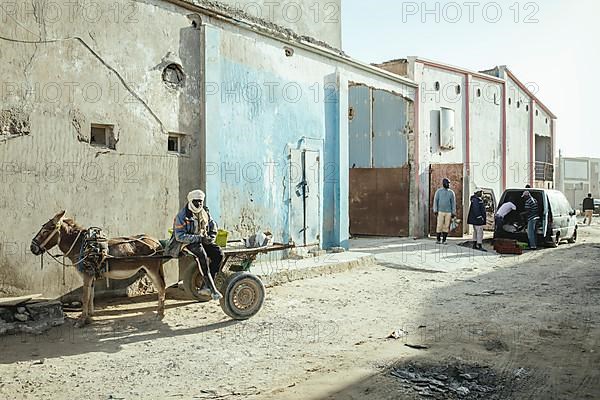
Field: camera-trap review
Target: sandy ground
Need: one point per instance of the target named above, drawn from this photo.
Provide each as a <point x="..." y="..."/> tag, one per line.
<point x="538" y="327"/>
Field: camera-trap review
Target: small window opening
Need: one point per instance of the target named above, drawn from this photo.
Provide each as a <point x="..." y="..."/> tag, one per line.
<point x="173" y="75"/>
<point x="437" y="86"/>
<point x="527" y="108"/>
<point x="103" y="136"/>
<point x="479" y="93"/>
<point x="176" y="143"/>
<point x="289" y="52"/>
<point x="495" y="98"/>
<point x="518" y="104"/>
<point x="537" y="112"/>
<point x="509" y="101"/>
<point x="546" y="121"/>
<point x="457" y="89"/>
<point x="173" y="144"/>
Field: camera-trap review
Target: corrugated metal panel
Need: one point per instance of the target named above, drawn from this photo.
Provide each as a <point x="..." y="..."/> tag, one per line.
<point x="359" y="101"/>
<point x="379" y="201"/>
<point x="390" y="148"/>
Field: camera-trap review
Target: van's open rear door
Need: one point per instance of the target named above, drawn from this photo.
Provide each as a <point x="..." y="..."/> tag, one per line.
<point x="545" y="218"/>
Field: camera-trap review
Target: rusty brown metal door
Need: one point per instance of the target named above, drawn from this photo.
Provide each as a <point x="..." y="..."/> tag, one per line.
<point x="379" y="201"/>
<point x="455" y="173"/>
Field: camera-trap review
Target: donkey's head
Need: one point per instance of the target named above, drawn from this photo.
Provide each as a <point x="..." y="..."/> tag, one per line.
<point x="48" y="236"/>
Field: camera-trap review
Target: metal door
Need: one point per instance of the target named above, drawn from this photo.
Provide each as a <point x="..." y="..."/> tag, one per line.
<point x="305" y="185"/>
<point x="454" y="172"/>
<point x="379" y="201"/>
<point x="359" y="115"/>
<point x="390" y="145"/>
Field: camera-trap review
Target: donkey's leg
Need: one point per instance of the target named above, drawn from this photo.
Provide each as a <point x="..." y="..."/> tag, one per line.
<point x="84" y="318"/>
<point x="91" y="302"/>
<point x="156" y="274"/>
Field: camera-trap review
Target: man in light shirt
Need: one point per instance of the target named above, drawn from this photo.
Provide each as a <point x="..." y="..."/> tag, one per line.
<point x="502" y="212"/>
<point x="444" y="208"/>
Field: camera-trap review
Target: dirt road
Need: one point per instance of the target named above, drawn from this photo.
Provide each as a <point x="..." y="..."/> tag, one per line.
<point x="513" y="328"/>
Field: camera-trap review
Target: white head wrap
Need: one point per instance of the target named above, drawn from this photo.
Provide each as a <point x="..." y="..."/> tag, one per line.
<point x="195" y="195"/>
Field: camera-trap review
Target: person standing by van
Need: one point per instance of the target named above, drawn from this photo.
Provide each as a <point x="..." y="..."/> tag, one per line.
<point x="477" y="218"/>
<point x="588" y="209"/>
<point x="532" y="209"/>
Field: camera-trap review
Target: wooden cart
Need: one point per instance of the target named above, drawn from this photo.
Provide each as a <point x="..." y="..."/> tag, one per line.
<point x="243" y="292"/>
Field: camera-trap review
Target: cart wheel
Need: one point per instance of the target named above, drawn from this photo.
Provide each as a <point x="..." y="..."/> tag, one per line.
<point x="243" y="297"/>
<point x="193" y="282"/>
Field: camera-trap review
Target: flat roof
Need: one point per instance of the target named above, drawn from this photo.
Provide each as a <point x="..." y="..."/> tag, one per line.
<point x="285" y="35"/>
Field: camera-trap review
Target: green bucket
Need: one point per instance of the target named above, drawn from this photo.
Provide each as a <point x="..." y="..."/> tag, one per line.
<point x="222" y="238"/>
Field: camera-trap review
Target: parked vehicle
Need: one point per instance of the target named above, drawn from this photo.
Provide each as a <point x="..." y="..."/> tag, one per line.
<point x="557" y="218"/>
<point x="597" y="206"/>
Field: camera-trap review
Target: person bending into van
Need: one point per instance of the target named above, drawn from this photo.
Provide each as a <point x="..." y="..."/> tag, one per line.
<point x="477" y="218"/>
<point x="588" y="209"/>
<point x="444" y="208"/>
<point x="531" y="207"/>
<point x="502" y="212"/>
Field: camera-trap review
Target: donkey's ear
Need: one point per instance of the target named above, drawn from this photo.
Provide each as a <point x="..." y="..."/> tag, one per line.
<point x="58" y="216"/>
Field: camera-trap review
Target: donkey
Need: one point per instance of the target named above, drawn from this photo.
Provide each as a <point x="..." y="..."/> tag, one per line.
<point x="68" y="236"/>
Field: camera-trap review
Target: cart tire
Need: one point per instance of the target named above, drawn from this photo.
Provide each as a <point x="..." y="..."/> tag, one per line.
<point x="243" y="296"/>
<point x="192" y="283"/>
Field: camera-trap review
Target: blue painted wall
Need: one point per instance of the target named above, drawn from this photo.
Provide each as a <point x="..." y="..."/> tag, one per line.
<point x="249" y="132"/>
<point x="332" y="237"/>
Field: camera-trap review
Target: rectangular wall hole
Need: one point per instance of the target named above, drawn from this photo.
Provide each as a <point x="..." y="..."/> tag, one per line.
<point x="103" y="136"/>
<point x="176" y="143"/>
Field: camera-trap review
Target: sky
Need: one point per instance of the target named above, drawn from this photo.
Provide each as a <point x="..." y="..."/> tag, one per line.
<point x="553" y="46"/>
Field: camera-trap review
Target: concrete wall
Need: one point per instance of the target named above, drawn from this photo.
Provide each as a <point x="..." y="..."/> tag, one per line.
<point x="319" y="19"/>
<point x="262" y="104"/>
<point x="486" y="136"/>
<point x="259" y="104"/>
<point x="431" y="102"/>
<point x="517" y="136"/>
<point x="542" y="122"/>
<point x="82" y="72"/>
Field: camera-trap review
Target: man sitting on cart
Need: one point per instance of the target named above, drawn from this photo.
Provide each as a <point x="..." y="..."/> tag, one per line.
<point x="194" y="233"/>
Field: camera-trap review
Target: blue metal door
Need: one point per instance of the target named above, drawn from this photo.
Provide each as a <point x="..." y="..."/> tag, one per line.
<point x="305" y="188"/>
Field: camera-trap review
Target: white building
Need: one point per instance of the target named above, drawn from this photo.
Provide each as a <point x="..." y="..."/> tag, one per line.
<point x="576" y="177"/>
<point x="480" y="129"/>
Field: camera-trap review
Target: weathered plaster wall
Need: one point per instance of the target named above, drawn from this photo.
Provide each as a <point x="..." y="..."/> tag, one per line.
<point x="517" y="136"/>
<point x="486" y="136"/>
<point x="542" y="122"/>
<point x="262" y="104"/>
<point x="318" y="19"/>
<point x="61" y="74"/>
<point x="431" y="102"/>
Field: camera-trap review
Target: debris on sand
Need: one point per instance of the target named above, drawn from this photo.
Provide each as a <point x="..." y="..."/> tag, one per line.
<point x="455" y="380"/>
<point x="398" y="334"/>
<point x="417" y="346"/>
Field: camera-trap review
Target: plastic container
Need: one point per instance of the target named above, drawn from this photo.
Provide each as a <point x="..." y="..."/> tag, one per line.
<point x="221" y="239"/>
